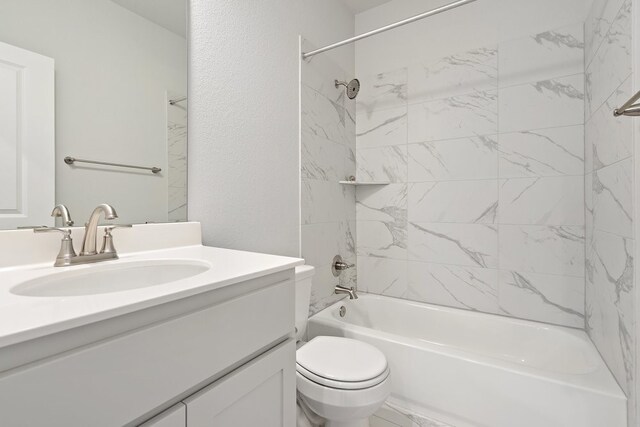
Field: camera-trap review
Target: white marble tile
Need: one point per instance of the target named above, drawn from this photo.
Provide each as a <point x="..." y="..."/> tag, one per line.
<point x="322" y="241"/>
<point x="408" y="418"/>
<point x="327" y="201"/>
<point x="454" y="201"/>
<point x="542" y="249"/>
<point x="320" y="72"/>
<point x="454" y="286"/>
<point x="386" y="203"/>
<point x="460" y="116"/>
<point x="542" y="56"/>
<point x="454" y="159"/>
<point x="465" y="72"/>
<point x="543" y="104"/>
<point x="384" y="164"/>
<point x="542" y="201"/>
<point x="612" y="63"/>
<point x="381" y="128"/>
<point x="613" y="198"/>
<point x="325" y="160"/>
<point x="588" y="210"/>
<point x="322" y="117"/>
<point x="322" y="288"/>
<point x="597" y="24"/>
<point x="382" y="91"/>
<point x="382" y="276"/>
<point x="609" y="139"/>
<point x="474" y="245"/>
<point x="543" y="152"/>
<point x="382" y="238"/>
<point x="610" y="304"/>
<point x="542" y="297"/>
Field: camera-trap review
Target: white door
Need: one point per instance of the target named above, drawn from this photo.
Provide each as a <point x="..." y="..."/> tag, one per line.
<point x="260" y="393"/>
<point x="27" y="139"/>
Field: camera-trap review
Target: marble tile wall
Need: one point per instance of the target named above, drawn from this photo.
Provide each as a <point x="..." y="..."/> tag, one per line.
<point x="177" y="159"/>
<point x="484" y="150"/>
<point x="328" y="213"/>
<point x="610" y="318"/>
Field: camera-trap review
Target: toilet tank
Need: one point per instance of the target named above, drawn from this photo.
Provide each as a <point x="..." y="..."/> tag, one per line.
<point x="304" y="276"/>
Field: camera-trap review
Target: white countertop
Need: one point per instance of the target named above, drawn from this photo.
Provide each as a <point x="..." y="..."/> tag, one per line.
<point x="24" y="318"/>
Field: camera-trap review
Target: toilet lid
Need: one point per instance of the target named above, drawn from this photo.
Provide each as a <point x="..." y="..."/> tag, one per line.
<point x="341" y="359"/>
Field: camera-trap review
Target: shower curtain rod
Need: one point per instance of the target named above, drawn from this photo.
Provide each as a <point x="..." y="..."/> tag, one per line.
<point x="388" y="27"/>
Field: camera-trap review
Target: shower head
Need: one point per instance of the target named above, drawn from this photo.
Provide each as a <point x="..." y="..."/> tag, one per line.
<point x="353" y="87"/>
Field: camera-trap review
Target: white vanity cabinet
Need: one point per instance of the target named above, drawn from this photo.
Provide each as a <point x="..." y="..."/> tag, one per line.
<point x="176" y="416"/>
<point x="218" y="358"/>
<point x="261" y="393"/>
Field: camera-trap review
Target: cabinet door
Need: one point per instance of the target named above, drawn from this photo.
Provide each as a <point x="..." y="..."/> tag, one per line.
<point x="176" y="416"/>
<point x="259" y="393"/>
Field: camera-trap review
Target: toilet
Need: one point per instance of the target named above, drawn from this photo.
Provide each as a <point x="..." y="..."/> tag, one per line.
<point x="340" y="380"/>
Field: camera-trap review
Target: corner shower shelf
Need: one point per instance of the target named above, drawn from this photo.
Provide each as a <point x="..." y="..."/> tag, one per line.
<point x="356" y="183"/>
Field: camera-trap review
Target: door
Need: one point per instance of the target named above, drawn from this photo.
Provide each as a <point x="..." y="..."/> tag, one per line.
<point x="260" y="393"/>
<point x="27" y="139"/>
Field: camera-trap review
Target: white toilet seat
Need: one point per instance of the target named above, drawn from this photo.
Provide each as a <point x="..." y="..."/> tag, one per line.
<point x="341" y="385"/>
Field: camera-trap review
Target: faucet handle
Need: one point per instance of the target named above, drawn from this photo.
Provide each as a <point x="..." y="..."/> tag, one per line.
<point x="65" y="231"/>
<point x="107" y="241"/>
<point x="66" y="252"/>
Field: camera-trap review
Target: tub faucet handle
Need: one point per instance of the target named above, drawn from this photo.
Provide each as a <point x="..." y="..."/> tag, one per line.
<point x="338" y="265"/>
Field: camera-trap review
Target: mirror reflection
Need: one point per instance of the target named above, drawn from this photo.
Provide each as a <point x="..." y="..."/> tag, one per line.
<point x="102" y="84"/>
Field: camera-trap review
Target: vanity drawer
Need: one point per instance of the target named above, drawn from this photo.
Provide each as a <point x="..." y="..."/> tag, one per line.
<point x="126" y="379"/>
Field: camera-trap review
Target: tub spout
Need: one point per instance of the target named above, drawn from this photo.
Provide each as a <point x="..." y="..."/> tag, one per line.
<point x="344" y="290"/>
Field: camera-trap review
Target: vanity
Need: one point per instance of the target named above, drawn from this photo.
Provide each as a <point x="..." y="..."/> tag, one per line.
<point x="171" y="334"/>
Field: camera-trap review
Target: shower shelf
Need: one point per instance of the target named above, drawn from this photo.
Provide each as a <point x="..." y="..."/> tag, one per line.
<point x="356" y="183"/>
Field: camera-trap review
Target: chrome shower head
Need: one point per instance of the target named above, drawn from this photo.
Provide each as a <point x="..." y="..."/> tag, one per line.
<point x="352" y="88"/>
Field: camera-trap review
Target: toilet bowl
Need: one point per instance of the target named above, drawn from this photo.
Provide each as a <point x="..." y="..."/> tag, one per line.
<point x="342" y="380"/>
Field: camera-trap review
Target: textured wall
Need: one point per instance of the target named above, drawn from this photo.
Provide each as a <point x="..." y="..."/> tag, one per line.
<point x="609" y="187"/>
<point x="244" y="144"/>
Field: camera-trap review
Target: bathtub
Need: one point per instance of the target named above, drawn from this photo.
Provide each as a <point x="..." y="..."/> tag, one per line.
<point x="472" y="369"/>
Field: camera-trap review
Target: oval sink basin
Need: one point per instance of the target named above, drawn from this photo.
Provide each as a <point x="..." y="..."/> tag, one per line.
<point x="116" y="277"/>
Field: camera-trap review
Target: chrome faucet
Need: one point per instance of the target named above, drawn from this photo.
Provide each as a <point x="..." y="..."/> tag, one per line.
<point x="344" y="290"/>
<point x="61" y="211"/>
<point x="67" y="255"/>
<point x="91" y="228"/>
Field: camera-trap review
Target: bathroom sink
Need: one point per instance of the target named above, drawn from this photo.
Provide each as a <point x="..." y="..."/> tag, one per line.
<point x="107" y="278"/>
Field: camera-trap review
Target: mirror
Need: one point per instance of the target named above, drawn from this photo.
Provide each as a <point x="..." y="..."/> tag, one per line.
<point x="95" y="82"/>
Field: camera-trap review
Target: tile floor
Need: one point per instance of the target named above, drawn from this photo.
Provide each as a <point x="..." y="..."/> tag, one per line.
<point x="389" y="416"/>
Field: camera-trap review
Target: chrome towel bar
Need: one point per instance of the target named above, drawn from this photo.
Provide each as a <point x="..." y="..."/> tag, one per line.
<point x="630" y="108"/>
<point x="71" y="160"/>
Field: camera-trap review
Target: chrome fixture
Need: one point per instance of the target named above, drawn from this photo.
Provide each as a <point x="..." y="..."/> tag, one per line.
<point x="352" y="88"/>
<point x="388" y="27"/>
<point x="71" y="160"/>
<point x="61" y="211"/>
<point x="338" y="265"/>
<point x="344" y="290"/>
<point x="91" y="228"/>
<point x="630" y="108"/>
<point x="67" y="255"/>
<point x="177" y="100"/>
<point x="107" y="240"/>
<point x="342" y="311"/>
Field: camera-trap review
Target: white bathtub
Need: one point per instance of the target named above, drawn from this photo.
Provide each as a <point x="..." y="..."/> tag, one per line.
<point x="479" y="370"/>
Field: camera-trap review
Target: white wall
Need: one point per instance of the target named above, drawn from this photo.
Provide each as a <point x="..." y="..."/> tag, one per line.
<point x="113" y="68"/>
<point x="244" y="116"/>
